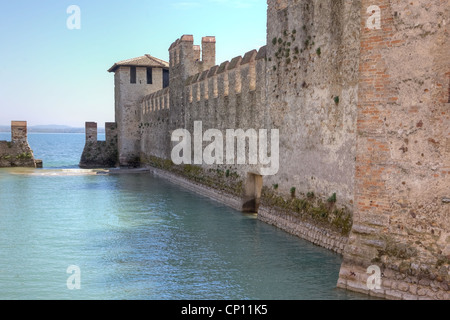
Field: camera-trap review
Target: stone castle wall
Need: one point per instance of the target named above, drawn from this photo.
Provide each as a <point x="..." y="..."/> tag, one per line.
<point x="312" y="86"/>
<point x="227" y="96"/>
<point x="362" y="111"/>
<point x="401" y="220"/>
<point x="355" y="121"/>
<point x="293" y="84"/>
<point x="154" y="126"/>
<point x="304" y="83"/>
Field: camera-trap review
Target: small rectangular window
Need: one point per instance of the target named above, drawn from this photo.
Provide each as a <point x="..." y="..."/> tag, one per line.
<point x="133" y="75"/>
<point x="165" y="78"/>
<point x="149" y="76"/>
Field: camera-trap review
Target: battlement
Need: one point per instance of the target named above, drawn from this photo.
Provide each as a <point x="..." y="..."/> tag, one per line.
<point x="19" y="131"/>
<point x="159" y="100"/>
<point x="91" y="131"/>
<point x="229" y="78"/>
<point x="220" y="82"/>
<point x="195" y="58"/>
<point x="100" y="154"/>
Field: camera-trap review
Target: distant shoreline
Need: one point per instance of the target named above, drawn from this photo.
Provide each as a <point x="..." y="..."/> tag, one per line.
<point x="5" y="129"/>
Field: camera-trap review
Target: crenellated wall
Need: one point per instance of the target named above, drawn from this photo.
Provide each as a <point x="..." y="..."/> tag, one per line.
<point x="154" y="125"/>
<point x="226" y="96"/>
<point x="175" y="108"/>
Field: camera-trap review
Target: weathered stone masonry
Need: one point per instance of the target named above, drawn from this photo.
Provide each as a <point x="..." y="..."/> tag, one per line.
<point x="401" y="222"/>
<point x="17" y="152"/>
<point x="100" y="154"/>
<point x="364" y="124"/>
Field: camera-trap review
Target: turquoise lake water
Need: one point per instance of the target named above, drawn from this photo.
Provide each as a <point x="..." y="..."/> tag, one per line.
<point x="140" y="237"/>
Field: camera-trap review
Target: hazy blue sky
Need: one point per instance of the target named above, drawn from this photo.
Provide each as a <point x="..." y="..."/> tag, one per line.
<point x="52" y="75"/>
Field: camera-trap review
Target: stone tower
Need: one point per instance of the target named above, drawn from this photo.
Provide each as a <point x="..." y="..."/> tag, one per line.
<point x="187" y="59"/>
<point x="134" y="79"/>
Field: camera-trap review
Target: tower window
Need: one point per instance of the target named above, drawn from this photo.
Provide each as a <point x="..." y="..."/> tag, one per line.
<point x="149" y="76"/>
<point x="165" y="78"/>
<point x="133" y="75"/>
